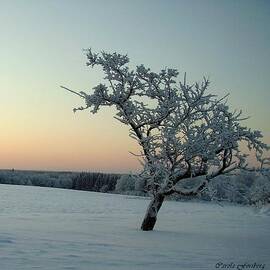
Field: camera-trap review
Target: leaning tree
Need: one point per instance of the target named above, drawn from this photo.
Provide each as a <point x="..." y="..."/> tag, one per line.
<point x="183" y="131"/>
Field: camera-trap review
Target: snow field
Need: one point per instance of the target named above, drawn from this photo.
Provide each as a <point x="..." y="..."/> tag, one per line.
<point x="45" y="228"/>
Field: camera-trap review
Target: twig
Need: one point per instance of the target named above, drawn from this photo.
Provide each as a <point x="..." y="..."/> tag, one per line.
<point x="74" y="92"/>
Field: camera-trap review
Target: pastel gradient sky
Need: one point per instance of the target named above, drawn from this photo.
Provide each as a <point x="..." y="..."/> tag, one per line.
<point x="42" y="46"/>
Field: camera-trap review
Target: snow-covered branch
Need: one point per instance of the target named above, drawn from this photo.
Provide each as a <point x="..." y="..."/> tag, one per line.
<point x="183" y="131"/>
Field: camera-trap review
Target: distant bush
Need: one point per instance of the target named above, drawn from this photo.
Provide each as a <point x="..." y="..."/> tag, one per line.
<point x="125" y="183"/>
<point x="259" y="193"/>
<point x="130" y="185"/>
<point x="244" y="188"/>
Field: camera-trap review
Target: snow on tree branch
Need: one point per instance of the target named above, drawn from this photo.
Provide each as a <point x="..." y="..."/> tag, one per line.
<point x="183" y="130"/>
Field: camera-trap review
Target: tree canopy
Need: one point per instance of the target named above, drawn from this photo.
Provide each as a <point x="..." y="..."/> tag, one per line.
<point x="183" y="131"/>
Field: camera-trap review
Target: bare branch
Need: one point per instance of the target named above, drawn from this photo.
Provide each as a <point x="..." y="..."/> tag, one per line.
<point x="72" y="91"/>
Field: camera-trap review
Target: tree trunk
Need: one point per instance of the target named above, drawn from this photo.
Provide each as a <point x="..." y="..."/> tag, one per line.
<point x="151" y="213"/>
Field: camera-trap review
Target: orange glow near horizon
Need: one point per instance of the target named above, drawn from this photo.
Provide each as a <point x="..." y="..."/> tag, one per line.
<point x="92" y="144"/>
<point x="88" y="148"/>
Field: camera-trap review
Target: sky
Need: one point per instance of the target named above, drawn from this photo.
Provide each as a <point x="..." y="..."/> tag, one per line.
<point x="42" y="45"/>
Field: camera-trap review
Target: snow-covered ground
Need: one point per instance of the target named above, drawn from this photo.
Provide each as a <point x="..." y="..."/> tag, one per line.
<point x="43" y="228"/>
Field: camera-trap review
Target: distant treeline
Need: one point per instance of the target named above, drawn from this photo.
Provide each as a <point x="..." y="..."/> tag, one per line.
<point x="100" y="182"/>
<point x="242" y="188"/>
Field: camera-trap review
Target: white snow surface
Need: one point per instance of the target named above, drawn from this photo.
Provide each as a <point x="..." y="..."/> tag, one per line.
<point x="45" y="228"/>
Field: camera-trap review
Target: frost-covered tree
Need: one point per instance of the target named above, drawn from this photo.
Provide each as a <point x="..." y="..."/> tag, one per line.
<point x="183" y="131"/>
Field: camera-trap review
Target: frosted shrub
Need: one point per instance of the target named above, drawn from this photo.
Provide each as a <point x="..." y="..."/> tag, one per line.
<point x="125" y="183"/>
<point x="243" y="188"/>
<point x="260" y="190"/>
